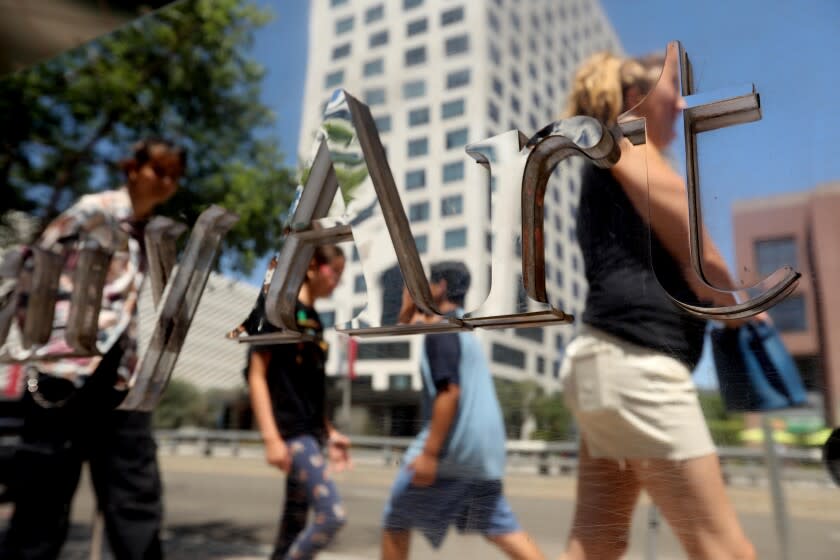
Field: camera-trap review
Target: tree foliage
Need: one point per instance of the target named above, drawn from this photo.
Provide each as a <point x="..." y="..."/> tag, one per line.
<point x="522" y="401"/>
<point x="183" y="72"/>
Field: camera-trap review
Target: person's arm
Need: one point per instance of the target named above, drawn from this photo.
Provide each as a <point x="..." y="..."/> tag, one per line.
<point x="276" y="452"/>
<point x="646" y="178"/>
<point x="443" y="352"/>
<point x="338" y="448"/>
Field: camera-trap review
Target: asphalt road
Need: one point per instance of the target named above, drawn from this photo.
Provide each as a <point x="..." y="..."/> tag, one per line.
<point x="227" y="508"/>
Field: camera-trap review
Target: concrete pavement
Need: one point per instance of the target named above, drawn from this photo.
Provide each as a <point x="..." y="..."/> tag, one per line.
<point x="227" y="508"/>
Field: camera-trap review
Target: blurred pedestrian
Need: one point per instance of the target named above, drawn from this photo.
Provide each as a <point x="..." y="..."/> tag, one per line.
<point x="288" y="395"/>
<point x="69" y="407"/>
<point x="453" y="472"/>
<point x="627" y="375"/>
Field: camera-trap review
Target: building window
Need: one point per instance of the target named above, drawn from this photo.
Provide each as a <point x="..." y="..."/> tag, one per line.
<point x="334" y="78"/>
<point x="374" y="14"/>
<point x="455" y="238"/>
<point x="335" y="3"/>
<point x="409" y="4"/>
<point x="502" y="354"/>
<point x="493" y="112"/>
<point x="418" y="147"/>
<point x="452" y="16"/>
<point x="514" y="48"/>
<point x="416" y="27"/>
<point x="456" y="138"/>
<point x="789" y="314"/>
<point x="415" y="56"/>
<point x="418" y="117"/>
<point x="497" y="86"/>
<point x="514" y="77"/>
<point x="514" y="19"/>
<point x="452" y="205"/>
<point x="415" y="179"/>
<point x="327" y="319"/>
<point x="383" y="123"/>
<point x="375" y="96"/>
<point x="530" y="333"/>
<point x="495" y="55"/>
<point x="453" y="171"/>
<point x="359" y="286"/>
<point x="457" y="45"/>
<point x="413" y="89"/>
<point x="558" y="277"/>
<point x="419" y="212"/>
<point x="493" y="21"/>
<point x="378" y="39"/>
<point x="374" y="67"/>
<point x="772" y="254"/>
<point x="383" y="350"/>
<point x="514" y="104"/>
<point x="344" y="25"/>
<point x="452" y="109"/>
<point x="457" y="79"/>
<point x="341" y="51"/>
<point x="399" y="382"/>
<point x="540" y="365"/>
<point x="422" y="243"/>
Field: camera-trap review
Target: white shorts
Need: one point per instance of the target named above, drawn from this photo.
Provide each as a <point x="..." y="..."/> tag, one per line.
<point x="631" y="402"/>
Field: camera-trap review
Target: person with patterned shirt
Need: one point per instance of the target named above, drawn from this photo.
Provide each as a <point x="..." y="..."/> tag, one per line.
<point x="288" y="390"/>
<point x="70" y="414"/>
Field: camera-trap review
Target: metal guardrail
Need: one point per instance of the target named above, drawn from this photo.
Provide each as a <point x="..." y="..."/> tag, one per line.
<point x="740" y="464"/>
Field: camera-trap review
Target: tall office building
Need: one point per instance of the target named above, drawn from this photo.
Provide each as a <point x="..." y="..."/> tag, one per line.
<point x="437" y="75"/>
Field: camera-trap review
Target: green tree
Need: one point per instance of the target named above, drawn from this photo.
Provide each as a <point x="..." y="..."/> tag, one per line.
<point x="182" y="405"/>
<point x="554" y="419"/>
<point x="183" y="72"/>
<point x="725" y="427"/>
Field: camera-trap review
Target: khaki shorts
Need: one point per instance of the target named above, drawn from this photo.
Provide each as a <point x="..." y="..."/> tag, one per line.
<point x="631" y="402"/>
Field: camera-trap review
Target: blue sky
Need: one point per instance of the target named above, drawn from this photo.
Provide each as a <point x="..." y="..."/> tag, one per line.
<point x="787" y="49"/>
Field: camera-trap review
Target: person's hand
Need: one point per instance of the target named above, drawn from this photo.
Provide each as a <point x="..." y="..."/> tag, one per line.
<point x="338" y="451"/>
<point x="407" y="308"/>
<point x="425" y="470"/>
<point x="277" y="455"/>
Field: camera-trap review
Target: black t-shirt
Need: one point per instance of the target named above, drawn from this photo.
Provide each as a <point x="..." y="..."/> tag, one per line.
<point x="297" y="378"/>
<point x="625" y="297"/>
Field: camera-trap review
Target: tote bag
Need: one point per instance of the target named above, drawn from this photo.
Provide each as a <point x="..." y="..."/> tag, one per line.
<point x="755" y="371"/>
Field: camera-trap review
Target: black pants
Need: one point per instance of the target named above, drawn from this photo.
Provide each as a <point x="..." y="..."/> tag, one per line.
<point x="123" y="463"/>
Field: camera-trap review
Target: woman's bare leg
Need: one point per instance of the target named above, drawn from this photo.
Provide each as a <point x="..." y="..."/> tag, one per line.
<point x="606" y="497"/>
<point x="692" y="497"/>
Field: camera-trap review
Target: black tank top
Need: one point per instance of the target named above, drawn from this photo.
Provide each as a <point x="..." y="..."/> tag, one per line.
<point x="625" y="296"/>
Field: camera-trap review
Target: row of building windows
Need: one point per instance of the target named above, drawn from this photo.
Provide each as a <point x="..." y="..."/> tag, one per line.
<point x="455" y="238"/>
<point x="452" y="205"/>
<point x="459" y="44"/>
<point x="451" y="172"/>
<point x="418" y="147"/>
<point x="420" y="115"/>
<point x="410" y="90"/>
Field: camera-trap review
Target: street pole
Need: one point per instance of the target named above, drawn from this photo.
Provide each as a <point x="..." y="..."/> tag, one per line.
<point x="774" y="476"/>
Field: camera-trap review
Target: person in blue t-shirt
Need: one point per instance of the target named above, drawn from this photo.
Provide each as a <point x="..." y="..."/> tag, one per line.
<point x="452" y="473"/>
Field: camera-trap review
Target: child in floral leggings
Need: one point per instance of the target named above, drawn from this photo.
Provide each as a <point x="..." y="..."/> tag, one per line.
<point x="288" y="394"/>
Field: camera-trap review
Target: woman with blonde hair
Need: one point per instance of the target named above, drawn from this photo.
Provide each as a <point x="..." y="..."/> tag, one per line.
<point x="627" y="375"/>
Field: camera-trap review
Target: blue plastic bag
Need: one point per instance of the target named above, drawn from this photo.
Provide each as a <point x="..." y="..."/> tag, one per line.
<point x="755" y="371"/>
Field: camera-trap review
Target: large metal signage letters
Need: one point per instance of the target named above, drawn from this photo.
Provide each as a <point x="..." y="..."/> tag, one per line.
<point x="176" y="298"/>
<point x="375" y="220"/>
